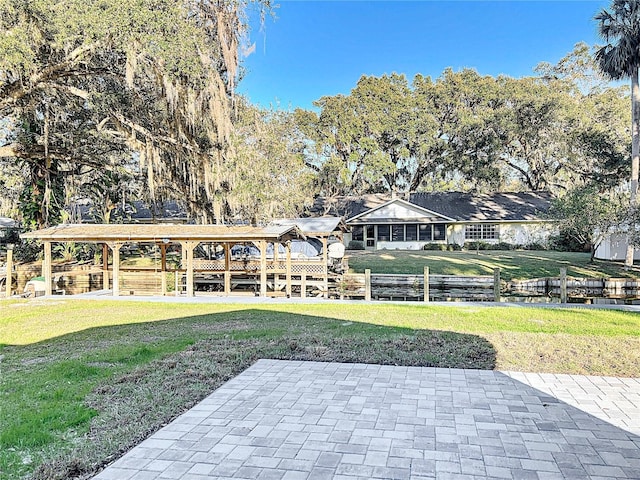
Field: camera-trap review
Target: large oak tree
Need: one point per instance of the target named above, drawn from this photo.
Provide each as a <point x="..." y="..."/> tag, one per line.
<point x="86" y="84"/>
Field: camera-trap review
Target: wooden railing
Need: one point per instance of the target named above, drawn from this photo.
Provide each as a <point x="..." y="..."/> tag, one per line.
<point x="307" y="279"/>
<point x="412" y="287"/>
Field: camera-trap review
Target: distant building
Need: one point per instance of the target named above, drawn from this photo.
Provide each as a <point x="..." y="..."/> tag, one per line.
<point x="382" y="221"/>
<point x="9" y="230"/>
<point x="136" y="211"/>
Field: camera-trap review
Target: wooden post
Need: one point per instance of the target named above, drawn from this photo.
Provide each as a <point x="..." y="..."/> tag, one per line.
<point x="46" y="269"/>
<point x="105" y="266"/>
<point x="288" y="249"/>
<point x="367" y="284"/>
<point x="496" y="284"/>
<point x="276" y="266"/>
<point x="303" y="283"/>
<point x="9" y="280"/>
<point x="187" y="251"/>
<point x="325" y="267"/>
<point x="563" y="285"/>
<point x="163" y="266"/>
<point x="115" y="247"/>
<point x="227" y="269"/>
<point x="426" y="283"/>
<point x="263" y="268"/>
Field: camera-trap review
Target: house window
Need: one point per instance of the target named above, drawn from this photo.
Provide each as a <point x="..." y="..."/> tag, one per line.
<point x="482" y="231"/>
<point x="397" y="233"/>
<point x="439" y="231"/>
<point x="426" y="233"/>
<point x="371" y="231"/>
<point x="384" y="233"/>
<point x="357" y="233"/>
<point x="411" y="233"/>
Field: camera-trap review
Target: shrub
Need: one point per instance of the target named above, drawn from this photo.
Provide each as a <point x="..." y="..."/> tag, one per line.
<point x="454" y="247"/>
<point x="477" y="245"/>
<point x="28" y="250"/>
<point x="563" y="242"/>
<point x="355" y="245"/>
<point x="435" y="246"/>
<point x="504" y="246"/>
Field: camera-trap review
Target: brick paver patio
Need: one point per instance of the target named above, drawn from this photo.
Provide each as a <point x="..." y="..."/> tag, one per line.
<point x="308" y="420"/>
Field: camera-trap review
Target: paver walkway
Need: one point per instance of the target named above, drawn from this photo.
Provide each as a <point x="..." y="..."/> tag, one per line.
<point x="310" y="420"/>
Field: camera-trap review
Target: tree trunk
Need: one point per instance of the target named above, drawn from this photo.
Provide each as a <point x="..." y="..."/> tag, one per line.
<point x="635" y="160"/>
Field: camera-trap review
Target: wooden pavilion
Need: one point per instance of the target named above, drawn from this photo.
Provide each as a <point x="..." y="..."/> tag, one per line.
<point x="266" y="269"/>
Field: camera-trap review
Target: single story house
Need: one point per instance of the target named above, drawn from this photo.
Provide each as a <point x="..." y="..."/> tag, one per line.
<point x="410" y="221"/>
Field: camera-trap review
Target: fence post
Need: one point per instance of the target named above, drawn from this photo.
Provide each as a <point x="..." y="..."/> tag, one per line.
<point x="9" y="279"/>
<point x="303" y="283"/>
<point x="426" y="283"/>
<point x="496" y="285"/>
<point x="367" y="284"/>
<point x="563" y="285"/>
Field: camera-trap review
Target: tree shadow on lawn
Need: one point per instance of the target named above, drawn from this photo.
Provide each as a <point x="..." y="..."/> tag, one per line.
<point x="143" y="375"/>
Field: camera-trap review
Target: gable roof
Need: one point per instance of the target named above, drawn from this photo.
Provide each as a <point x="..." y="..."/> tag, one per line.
<point x="459" y="206"/>
<point x="140" y="232"/>
<point x="412" y="211"/>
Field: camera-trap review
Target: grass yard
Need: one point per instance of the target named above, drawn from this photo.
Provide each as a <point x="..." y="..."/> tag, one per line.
<point x="513" y="264"/>
<point x="83" y="381"/>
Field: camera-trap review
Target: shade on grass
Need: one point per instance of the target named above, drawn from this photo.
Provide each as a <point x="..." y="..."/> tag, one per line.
<point x="83" y="380"/>
<point x="512" y="264"/>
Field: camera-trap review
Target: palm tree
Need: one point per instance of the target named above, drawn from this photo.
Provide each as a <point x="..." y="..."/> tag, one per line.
<point x="620" y="59"/>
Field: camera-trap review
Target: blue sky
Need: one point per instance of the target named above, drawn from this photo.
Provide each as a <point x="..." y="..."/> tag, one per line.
<point x="317" y="48"/>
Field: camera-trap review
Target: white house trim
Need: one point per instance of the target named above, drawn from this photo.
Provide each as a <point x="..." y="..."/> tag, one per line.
<point x="419" y="213"/>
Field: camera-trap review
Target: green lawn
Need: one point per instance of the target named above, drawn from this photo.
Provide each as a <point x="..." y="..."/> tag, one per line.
<point x="513" y="264"/>
<point x="83" y="381"/>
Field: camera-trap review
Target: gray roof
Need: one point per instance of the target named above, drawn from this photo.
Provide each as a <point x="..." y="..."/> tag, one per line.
<point x="8" y="223"/>
<point x="462" y="207"/>
<point x="140" y="232"/>
<point x="314" y="225"/>
<point x="137" y="211"/>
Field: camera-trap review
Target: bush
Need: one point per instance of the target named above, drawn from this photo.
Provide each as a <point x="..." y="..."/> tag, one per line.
<point x="564" y="242"/>
<point x="477" y="245"/>
<point x="504" y="246"/>
<point x="355" y="245"/>
<point x="28" y="250"/>
<point x="454" y="247"/>
<point x="435" y="246"/>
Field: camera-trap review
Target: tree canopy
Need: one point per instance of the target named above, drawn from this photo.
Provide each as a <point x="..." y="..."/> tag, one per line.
<point x="466" y="131"/>
<point x="110" y="101"/>
<point x="84" y="83"/>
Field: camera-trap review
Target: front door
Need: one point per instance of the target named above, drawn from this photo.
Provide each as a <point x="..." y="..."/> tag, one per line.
<point x="370" y="237"/>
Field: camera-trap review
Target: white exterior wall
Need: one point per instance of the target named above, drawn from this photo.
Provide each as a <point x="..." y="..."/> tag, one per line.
<point x="513" y="233"/>
<point x="614" y="247"/>
<point x="455" y="234"/>
<point x="526" y="233"/>
<point x="346" y="238"/>
<point x="401" y="245"/>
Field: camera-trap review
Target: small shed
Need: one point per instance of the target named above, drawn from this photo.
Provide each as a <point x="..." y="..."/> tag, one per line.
<point x="114" y="236"/>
